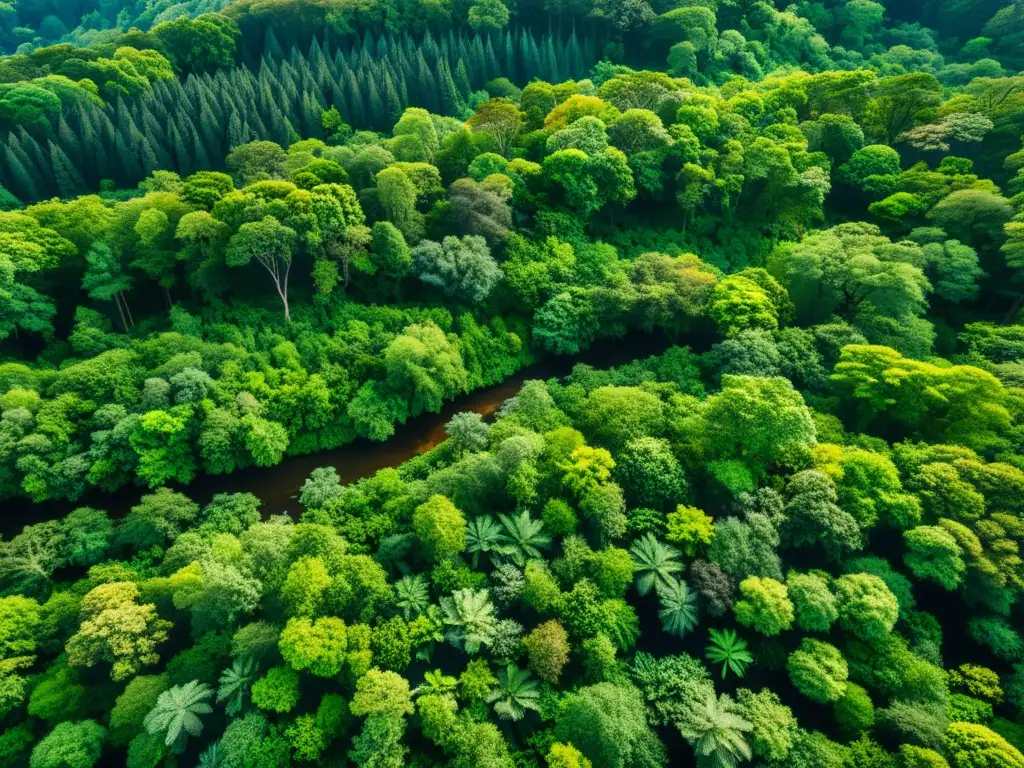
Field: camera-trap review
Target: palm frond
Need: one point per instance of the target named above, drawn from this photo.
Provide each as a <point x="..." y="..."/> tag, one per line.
<point x="678" y="611"/>
<point x="523" y="536"/>
<point x="516" y="693"/>
<point x="177" y="711"/>
<point x="654" y="563"/>
<point x="483" y="534"/>
<point x="412" y="596"/>
<point x="728" y="650"/>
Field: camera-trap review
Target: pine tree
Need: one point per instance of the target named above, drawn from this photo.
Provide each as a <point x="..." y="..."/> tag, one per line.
<point x="272" y="49"/>
<point x="355" y="101"/>
<point x="462" y="80"/>
<point x="69" y="180"/>
<point x="378" y="115"/>
<point x="23" y="184"/>
<point x="392" y="99"/>
<point x="235" y="135"/>
<point x="451" y="104"/>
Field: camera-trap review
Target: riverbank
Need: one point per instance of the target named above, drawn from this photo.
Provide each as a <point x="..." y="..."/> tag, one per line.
<point x="277" y="487"/>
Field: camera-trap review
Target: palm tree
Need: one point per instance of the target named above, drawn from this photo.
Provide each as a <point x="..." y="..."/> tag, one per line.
<point x="715" y="731"/>
<point x="678" y="612"/>
<point x="483" y="534"/>
<point x="654" y="563"/>
<point x="516" y="693"/>
<point x="436" y="682"/>
<point x="234" y="684"/>
<point x="412" y="596"/>
<point x="177" y="713"/>
<point x="728" y="650"/>
<point x="212" y="756"/>
<point x="523" y="537"/>
<point x="471" y="615"/>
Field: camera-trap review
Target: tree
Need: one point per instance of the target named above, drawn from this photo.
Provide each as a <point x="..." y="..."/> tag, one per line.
<point x="391" y="644"/>
<point x="105" y="279"/>
<point x="654" y="563"/>
<point x="516" y="693"/>
<point x="866" y="606"/>
<point x="765" y="606"/>
<point x="855" y="713"/>
<point x="488" y="15"/>
<point x="74" y="745"/>
<point x="813" y="516"/>
<point x="424" y="366"/>
<point x="382" y="693"/>
<point x="523" y="537"/>
<point x="277" y="690"/>
<point x="739" y="304"/>
<point x="470" y="615"/>
<point x="818" y="670"/>
<point x="650" y="474"/>
<point x="118" y="630"/>
<point x="690" y="528"/>
<point x="566" y="756"/>
<point x="203" y="43"/>
<point x="257" y="161"/>
<point x="397" y="194"/>
<point x="234" y="684"/>
<point x="481" y="208"/>
<point x="390" y="253"/>
<point x="932" y="553"/>
<point x="728" y="650"/>
<point x="678" y="607"/>
<point x="607" y="723"/>
<point x="29" y="559"/>
<point x="975" y="746"/>
<point x="500" y="118"/>
<point x="318" y="646"/>
<point x="813" y="602"/>
<point x="547" y="647"/>
<point x="716" y="733"/>
<point x="897" y="100"/>
<point x="973" y="216"/>
<point x="271" y="244"/>
<point x="176" y="714"/>
<point x="440" y="526"/>
<point x="461" y="268"/>
<point x="759" y="421"/>
<point x="773" y="724"/>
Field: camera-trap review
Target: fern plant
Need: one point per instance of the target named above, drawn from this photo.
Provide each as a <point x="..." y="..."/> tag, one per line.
<point x="728" y="650"/>
<point x="715" y="731"/>
<point x="234" y="684"/>
<point x="412" y="596"/>
<point x="483" y="534"/>
<point x="654" y="563"/>
<point x="212" y="756"/>
<point x="470" y="616"/>
<point x="516" y="693"/>
<point x="177" y="712"/>
<point x="678" y="611"/>
<point x="523" y="537"/>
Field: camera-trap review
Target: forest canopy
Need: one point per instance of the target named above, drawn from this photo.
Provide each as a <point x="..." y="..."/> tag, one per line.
<point x="233" y="232"/>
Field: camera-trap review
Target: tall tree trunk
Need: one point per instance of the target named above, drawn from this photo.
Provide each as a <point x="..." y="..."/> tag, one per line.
<point x="127" y="309"/>
<point x="117" y="301"/>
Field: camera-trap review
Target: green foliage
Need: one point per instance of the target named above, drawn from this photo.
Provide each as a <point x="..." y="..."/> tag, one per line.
<point x="729" y="651"/>
<point x="176" y="714"/>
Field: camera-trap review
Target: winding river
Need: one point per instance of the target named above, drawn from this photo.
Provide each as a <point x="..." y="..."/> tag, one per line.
<point x="278" y="486"/>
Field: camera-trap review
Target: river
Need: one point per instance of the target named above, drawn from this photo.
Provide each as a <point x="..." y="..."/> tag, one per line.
<point x="278" y="486"/>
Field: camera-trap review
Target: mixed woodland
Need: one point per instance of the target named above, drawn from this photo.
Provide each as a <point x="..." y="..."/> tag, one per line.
<point x="232" y="232"/>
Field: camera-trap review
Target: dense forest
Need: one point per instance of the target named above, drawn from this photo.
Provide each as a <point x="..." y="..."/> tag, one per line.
<point x="235" y="231"/>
